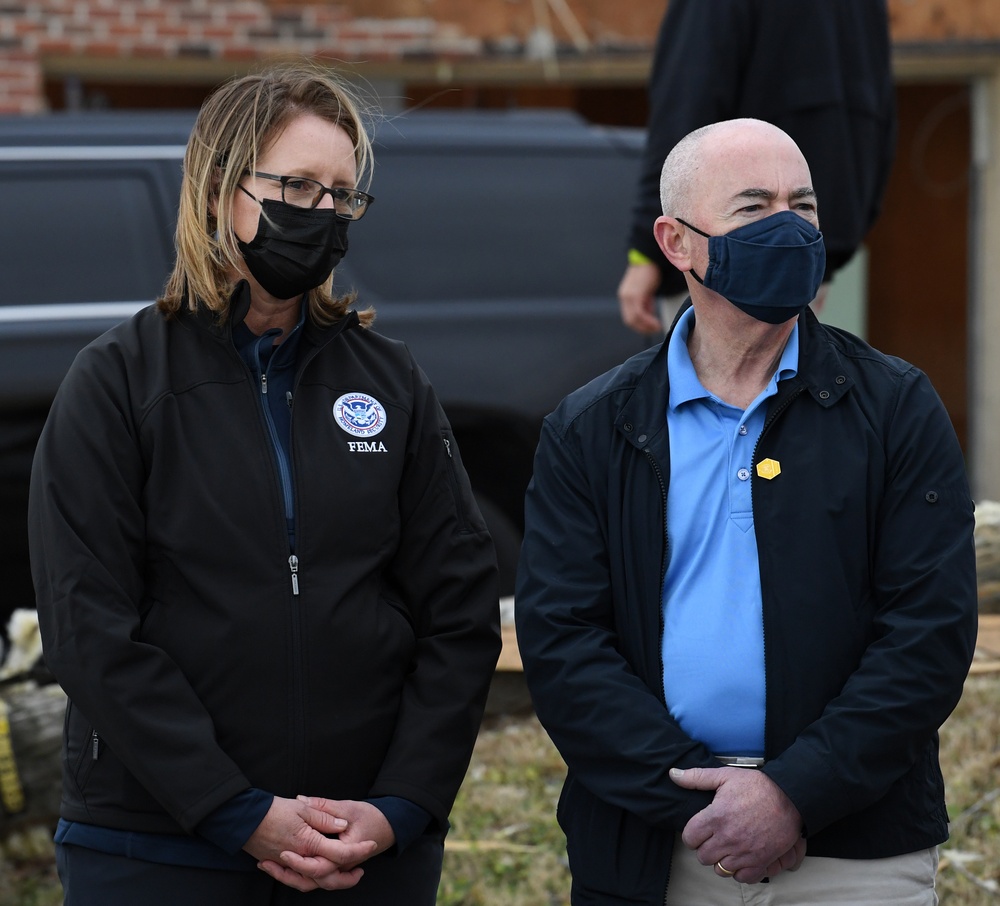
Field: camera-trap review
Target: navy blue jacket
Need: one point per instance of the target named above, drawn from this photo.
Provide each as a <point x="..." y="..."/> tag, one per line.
<point x="869" y="605"/>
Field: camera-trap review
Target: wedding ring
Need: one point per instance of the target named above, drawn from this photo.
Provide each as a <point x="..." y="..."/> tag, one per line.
<point x="723" y="869"/>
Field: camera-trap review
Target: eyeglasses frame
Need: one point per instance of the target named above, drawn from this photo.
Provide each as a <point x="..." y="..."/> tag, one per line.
<point x="326" y="190"/>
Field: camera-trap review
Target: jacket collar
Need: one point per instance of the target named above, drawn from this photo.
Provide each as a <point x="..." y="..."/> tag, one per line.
<point x="239" y="305"/>
<point x="643" y="419"/>
<point x="821" y="367"/>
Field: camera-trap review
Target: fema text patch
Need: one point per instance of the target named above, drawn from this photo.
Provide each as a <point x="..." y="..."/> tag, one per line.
<point x="366" y="446"/>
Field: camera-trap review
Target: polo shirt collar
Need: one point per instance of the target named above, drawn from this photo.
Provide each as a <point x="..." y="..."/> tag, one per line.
<point x="683" y="379"/>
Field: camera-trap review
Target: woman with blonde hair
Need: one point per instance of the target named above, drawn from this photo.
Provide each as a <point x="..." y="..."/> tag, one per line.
<point x="261" y="576"/>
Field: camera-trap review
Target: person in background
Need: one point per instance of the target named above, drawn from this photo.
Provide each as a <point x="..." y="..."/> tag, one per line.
<point x="821" y="71"/>
<point x="261" y="575"/>
<point x="747" y="592"/>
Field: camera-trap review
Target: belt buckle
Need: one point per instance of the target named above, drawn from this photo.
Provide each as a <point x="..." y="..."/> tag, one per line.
<point x="739" y="761"/>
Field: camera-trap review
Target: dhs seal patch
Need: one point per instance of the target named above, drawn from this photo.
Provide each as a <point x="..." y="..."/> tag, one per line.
<point x="359" y="414"/>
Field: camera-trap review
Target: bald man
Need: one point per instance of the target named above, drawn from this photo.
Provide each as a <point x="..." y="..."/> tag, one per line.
<point x="747" y="593"/>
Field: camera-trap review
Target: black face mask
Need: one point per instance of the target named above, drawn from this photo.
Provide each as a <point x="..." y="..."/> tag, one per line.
<point x="295" y="249"/>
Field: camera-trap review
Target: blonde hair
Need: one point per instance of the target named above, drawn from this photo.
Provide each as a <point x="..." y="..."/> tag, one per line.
<point x="234" y="126"/>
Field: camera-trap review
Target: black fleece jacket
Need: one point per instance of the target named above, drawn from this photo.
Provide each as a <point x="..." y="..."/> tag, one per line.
<point x="201" y="656"/>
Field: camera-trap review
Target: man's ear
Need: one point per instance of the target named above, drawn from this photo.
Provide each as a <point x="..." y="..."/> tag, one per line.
<point x="672" y="238"/>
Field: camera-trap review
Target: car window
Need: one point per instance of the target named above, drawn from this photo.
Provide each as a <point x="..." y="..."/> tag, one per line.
<point x="61" y="219"/>
<point x="447" y="226"/>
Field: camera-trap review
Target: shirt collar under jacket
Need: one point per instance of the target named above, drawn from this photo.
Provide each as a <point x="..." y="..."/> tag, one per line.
<point x="260" y="356"/>
<point x="239" y="304"/>
<point x="683" y="379"/>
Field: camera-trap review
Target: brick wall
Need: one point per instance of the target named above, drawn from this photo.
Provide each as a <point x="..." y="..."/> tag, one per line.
<point x="20" y="80"/>
<point x="242" y="31"/>
<point x="929" y="21"/>
<point x="502" y="23"/>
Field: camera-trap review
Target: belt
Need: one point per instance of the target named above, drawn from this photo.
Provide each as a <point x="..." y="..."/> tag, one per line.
<point x="740" y="761"/>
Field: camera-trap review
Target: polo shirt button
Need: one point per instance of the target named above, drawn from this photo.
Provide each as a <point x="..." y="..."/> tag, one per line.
<point x="743" y="474"/>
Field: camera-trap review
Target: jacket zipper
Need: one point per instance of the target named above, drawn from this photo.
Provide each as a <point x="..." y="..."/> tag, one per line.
<point x="663" y="561"/>
<point x="284" y="469"/>
<point x="288" y="494"/>
<point x="297" y="698"/>
<point x="284" y="472"/>
<point x="772" y="417"/>
<point x="296" y="710"/>
<point x="463" y="524"/>
<point x="298" y="772"/>
<point x="663" y="576"/>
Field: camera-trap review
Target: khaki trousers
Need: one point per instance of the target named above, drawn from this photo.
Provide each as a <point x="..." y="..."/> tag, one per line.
<point x="901" y="881"/>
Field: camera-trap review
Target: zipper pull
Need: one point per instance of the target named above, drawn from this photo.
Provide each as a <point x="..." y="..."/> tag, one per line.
<point x="263" y="384"/>
<point x="293" y="565"/>
<point x="447" y="447"/>
<point x="288" y="398"/>
<point x="95" y="745"/>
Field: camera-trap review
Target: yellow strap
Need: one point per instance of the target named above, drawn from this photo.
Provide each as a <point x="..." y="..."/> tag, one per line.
<point x="11" y="791"/>
<point x="637" y="257"/>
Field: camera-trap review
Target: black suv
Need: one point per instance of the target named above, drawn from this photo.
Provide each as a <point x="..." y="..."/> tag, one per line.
<point x="493" y="249"/>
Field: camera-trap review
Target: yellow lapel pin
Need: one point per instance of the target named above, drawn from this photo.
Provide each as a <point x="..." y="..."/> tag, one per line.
<point x="769" y="468"/>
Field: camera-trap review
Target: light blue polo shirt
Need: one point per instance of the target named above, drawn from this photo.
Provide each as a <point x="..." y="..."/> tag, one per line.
<point x="713" y="638"/>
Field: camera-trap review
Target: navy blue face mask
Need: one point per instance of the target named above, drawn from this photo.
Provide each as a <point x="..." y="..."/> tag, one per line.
<point x="770" y="269"/>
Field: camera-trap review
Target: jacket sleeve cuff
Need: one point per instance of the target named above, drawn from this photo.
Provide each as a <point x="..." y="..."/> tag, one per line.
<point x="233" y="823"/>
<point x="407" y="819"/>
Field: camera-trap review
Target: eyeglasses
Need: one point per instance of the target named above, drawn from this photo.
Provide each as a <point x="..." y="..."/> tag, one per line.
<point x="307" y="193"/>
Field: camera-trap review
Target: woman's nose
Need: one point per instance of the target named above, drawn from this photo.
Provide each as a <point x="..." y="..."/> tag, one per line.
<point x="326" y="200"/>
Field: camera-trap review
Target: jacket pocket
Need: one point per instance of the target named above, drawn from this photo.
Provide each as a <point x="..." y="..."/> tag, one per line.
<point x="149" y="613"/>
<point x="81" y="749"/>
<point x="614" y="856"/>
<point x="395" y="632"/>
<point x="467" y="510"/>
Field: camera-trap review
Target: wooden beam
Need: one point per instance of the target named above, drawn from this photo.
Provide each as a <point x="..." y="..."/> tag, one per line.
<point x="629" y="70"/>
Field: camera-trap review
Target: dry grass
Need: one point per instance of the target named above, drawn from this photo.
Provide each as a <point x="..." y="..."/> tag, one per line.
<point x="505" y="848"/>
<point x="970" y="757"/>
<point x="28" y="871"/>
<point x="514" y="781"/>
